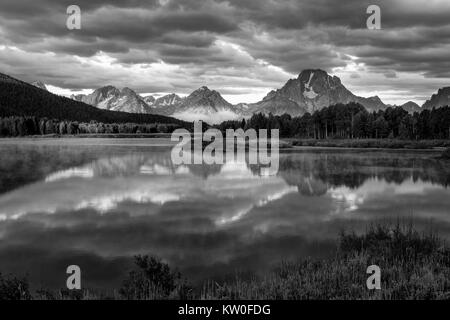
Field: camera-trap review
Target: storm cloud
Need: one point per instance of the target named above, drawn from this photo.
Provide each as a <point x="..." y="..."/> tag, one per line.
<point x="241" y="48"/>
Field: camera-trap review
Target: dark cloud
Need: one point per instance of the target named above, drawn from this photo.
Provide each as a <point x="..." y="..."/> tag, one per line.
<point x="189" y="34"/>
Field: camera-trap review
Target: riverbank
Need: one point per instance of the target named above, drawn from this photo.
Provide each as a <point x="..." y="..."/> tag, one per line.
<point x="92" y="135"/>
<point x="285" y="143"/>
<point x="413" y="266"/>
<point x="370" y="143"/>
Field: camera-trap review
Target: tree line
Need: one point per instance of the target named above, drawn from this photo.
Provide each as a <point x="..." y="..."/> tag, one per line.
<point x="346" y="121"/>
<point x="353" y="121"/>
<point x="23" y="126"/>
<point x="18" y="98"/>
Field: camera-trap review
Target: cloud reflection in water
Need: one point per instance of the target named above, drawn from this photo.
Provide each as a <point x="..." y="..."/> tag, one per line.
<point x="208" y="220"/>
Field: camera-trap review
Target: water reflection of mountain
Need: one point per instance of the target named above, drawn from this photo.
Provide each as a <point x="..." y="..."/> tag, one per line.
<point x="21" y="164"/>
<point x="312" y="173"/>
<point x="134" y="165"/>
<point x="315" y="173"/>
<point x="306" y="185"/>
<point x="112" y="203"/>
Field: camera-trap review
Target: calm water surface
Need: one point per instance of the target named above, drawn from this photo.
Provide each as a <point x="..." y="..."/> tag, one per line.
<point x="98" y="202"/>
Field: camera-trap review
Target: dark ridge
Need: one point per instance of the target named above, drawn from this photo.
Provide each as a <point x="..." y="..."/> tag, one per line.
<point x="18" y="98"/>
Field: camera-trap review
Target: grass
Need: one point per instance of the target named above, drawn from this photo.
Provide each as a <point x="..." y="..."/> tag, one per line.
<point x="373" y="143"/>
<point x="413" y="266"/>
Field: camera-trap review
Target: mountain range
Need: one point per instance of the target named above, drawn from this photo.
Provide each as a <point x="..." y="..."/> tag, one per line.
<point x="312" y="90"/>
<point x="113" y="99"/>
<point x="202" y="104"/>
<point x="18" y="98"/>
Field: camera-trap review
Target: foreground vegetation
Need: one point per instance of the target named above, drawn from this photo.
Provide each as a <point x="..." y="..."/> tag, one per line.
<point x="413" y="266"/>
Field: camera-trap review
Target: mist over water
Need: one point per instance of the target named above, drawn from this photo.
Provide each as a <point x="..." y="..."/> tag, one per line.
<point x="96" y="203"/>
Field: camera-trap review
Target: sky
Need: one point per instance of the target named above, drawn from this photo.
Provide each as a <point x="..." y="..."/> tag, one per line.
<point x="241" y="48"/>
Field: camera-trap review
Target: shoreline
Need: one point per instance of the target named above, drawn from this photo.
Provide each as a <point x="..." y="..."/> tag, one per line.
<point x="90" y="136"/>
<point x="286" y="144"/>
<point x="372" y="144"/>
<point x="437" y="150"/>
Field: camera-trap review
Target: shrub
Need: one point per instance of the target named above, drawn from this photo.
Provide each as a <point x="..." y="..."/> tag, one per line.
<point x="153" y="279"/>
<point x="12" y="288"/>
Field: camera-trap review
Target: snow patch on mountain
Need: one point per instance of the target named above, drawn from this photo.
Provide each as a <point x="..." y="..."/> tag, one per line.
<point x="111" y="98"/>
<point x="150" y="100"/>
<point x="309" y="91"/>
<point x="40" y="85"/>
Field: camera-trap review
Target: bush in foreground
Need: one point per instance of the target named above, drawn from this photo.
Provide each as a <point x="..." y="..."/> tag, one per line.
<point x="153" y="279"/>
<point x="413" y="266"/>
<point x="12" y="288"/>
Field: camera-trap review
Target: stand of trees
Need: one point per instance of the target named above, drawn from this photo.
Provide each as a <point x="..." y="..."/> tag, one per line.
<point x="23" y="126"/>
<point x="351" y="121"/>
<point x="20" y="99"/>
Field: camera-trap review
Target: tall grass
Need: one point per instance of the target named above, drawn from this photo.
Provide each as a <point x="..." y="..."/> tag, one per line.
<point x="413" y="266"/>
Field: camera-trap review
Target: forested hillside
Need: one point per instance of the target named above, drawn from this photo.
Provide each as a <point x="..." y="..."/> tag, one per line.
<point x="19" y="98"/>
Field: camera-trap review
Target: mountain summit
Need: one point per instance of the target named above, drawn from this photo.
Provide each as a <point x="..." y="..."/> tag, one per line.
<point x="205" y="104"/>
<point x="313" y="90"/>
<point x="168" y="100"/>
<point x="40" y="85"/>
<point x="411" y="107"/>
<point x="111" y="98"/>
<point x="439" y="99"/>
<point x="203" y="97"/>
<point x="163" y="105"/>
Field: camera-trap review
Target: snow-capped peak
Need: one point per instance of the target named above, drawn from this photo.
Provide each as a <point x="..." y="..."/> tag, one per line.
<point x="112" y="98"/>
<point x="40" y="85"/>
